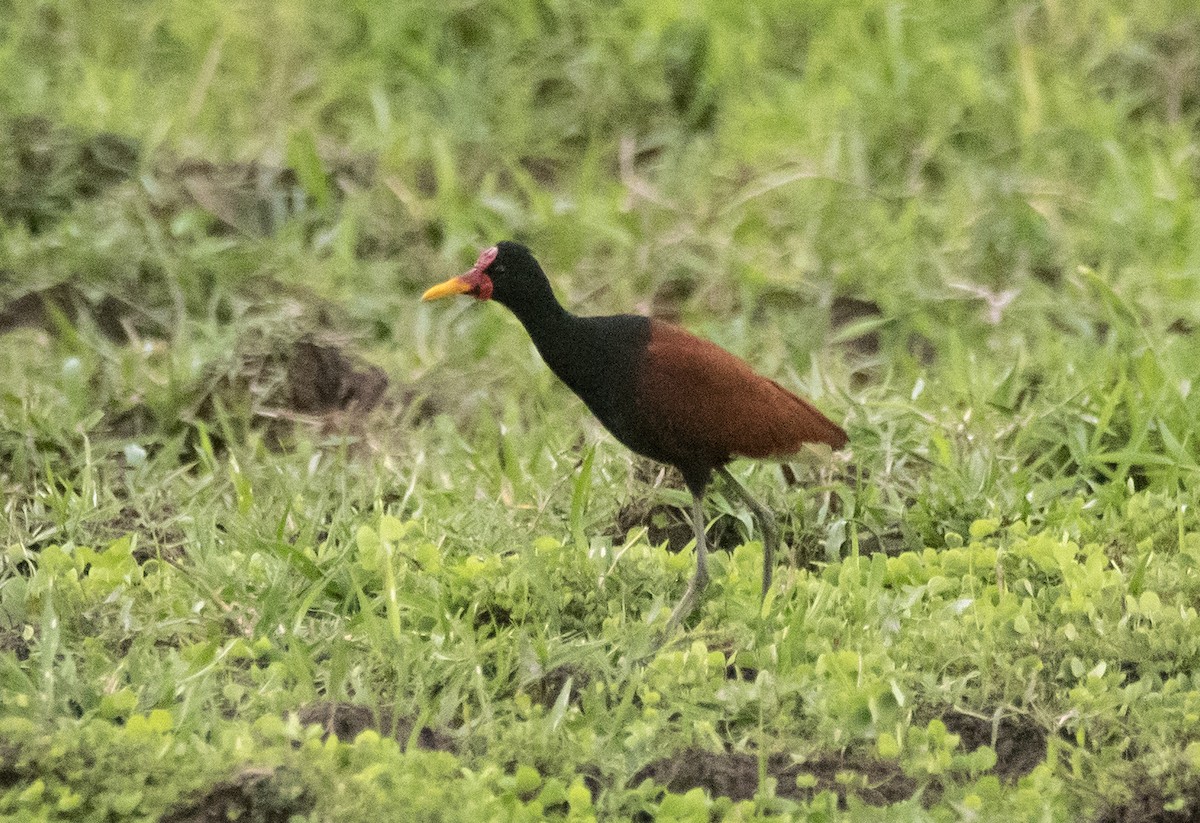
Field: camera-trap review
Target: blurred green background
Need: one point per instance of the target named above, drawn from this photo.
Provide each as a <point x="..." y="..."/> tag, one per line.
<point x="248" y="476"/>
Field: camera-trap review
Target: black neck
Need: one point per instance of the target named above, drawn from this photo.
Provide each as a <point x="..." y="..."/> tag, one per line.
<point x="545" y="319"/>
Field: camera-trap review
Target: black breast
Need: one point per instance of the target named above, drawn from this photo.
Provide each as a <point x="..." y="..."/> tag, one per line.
<point x="598" y="358"/>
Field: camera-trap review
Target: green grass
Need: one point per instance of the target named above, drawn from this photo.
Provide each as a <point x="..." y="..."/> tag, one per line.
<point x="971" y="234"/>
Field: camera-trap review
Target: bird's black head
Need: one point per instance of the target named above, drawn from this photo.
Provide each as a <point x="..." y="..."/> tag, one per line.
<point x="507" y="273"/>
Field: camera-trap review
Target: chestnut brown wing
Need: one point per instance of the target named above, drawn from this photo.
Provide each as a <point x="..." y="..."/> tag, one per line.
<point x="702" y="405"/>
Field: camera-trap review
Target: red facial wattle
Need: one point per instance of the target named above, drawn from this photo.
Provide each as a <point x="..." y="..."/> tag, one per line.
<point x="481" y="284"/>
<point x="475" y="282"/>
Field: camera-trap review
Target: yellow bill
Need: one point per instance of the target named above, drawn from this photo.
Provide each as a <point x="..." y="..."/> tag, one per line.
<point x="455" y="285"/>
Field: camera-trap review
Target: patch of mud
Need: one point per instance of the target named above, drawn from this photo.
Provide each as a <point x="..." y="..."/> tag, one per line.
<point x="663" y="523"/>
<point x="264" y="795"/>
<point x="10" y="775"/>
<point x="1148" y="802"/>
<point x="891" y="542"/>
<point x="50" y="308"/>
<point x="670" y="296"/>
<point x="158" y="536"/>
<point x="38" y="309"/>
<point x="45" y="168"/>
<point x="245" y="197"/>
<point x="546" y="688"/>
<point x="255" y="199"/>
<point x="281" y="385"/>
<point x="323" y="379"/>
<point x="734" y="671"/>
<point x="492" y="614"/>
<point x="349" y="720"/>
<point x="922" y="349"/>
<point x="848" y="310"/>
<point x="735" y="775"/>
<point x="12" y="639"/>
<point x="1019" y="742"/>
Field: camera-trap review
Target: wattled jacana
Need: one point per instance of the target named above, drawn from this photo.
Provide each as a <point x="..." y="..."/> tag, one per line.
<point x="661" y="391"/>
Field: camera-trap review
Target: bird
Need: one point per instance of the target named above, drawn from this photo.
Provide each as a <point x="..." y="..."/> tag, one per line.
<point x="660" y="390"/>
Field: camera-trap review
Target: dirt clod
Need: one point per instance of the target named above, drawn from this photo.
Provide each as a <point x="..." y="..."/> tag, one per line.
<point x="259" y="794"/>
<point x="1148" y="802"/>
<point x="1019" y="743"/>
<point x="45" y="168"/>
<point x="546" y="688"/>
<point x="348" y="720"/>
<point x="735" y="775"/>
<point x="663" y="523"/>
<point x="848" y="310"/>
<point x="322" y="379"/>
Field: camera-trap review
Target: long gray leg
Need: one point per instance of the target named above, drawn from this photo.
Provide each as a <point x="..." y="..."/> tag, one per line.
<point x="700" y="578"/>
<point x="765" y="517"/>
